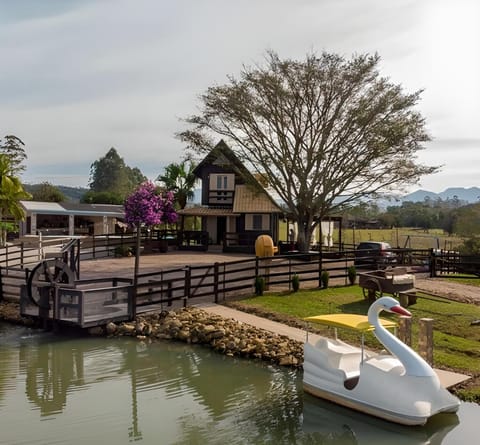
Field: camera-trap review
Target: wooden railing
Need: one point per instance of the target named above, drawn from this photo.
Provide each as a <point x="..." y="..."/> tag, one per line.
<point x="91" y="302"/>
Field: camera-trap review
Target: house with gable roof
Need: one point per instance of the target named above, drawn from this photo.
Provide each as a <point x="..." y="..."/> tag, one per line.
<point x="235" y="209"/>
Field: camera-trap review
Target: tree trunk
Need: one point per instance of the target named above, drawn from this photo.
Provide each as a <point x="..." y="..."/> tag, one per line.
<point x="305" y="232"/>
<point x="137" y="258"/>
<point x="3" y="237"/>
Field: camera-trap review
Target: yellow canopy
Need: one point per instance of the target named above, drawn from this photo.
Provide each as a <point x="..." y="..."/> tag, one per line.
<point x="351" y="321"/>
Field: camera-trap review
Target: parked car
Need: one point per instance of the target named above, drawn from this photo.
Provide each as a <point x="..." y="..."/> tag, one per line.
<point x="375" y="254"/>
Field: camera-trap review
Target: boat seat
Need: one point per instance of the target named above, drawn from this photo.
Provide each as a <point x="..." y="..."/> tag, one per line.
<point x="341" y="355"/>
<point x="386" y="363"/>
<point x="335" y="346"/>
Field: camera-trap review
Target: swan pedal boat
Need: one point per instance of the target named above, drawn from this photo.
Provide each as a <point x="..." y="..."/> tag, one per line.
<point x="399" y="386"/>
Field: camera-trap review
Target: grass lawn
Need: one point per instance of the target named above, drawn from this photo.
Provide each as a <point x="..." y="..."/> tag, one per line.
<point x="456" y="341"/>
<point x="473" y="281"/>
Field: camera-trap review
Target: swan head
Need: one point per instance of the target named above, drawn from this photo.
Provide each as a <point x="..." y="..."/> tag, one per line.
<point x="388" y="304"/>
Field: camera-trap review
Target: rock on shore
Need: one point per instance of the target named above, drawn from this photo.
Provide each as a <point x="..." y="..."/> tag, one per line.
<point x="193" y="325"/>
<point x="227" y="336"/>
<point x="10" y="312"/>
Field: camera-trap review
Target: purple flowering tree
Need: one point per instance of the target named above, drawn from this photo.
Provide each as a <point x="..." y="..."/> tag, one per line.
<point x="147" y="207"/>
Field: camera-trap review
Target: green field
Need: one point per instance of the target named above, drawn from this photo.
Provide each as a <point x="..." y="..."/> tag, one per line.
<point x="403" y="238"/>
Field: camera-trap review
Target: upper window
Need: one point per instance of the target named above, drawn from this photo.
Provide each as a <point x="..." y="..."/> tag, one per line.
<point x="222" y="182"/>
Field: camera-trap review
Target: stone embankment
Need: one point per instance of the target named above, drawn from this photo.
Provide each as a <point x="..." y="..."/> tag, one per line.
<point x="10" y="312"/>
<point x="226" y="336"/>
<point x="195" y="326"/>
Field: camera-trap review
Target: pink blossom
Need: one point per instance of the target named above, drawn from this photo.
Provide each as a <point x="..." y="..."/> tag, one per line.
<point x="146" y="206"/>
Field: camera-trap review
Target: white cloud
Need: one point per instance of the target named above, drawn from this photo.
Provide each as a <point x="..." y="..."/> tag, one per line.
<point x="82" y="77"/>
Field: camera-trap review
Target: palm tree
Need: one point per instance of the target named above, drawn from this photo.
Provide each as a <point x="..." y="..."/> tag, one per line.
<point x="11" y="192"/>
<point x="179" y="178"/>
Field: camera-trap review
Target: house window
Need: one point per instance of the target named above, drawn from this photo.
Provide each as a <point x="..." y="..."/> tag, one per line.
<point x="222" y="182"/>
<point x="257" y="222"/>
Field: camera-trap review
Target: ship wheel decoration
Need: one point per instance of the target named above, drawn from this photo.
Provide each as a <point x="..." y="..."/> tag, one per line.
<point x="48" y="273"/>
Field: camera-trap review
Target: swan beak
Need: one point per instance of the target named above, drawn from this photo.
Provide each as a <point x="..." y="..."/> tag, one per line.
<point x="400" y="311"/>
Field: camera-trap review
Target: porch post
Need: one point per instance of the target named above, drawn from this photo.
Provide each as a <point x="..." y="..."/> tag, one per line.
<point x="33" y="224"/>
<point x="71" y="225"/>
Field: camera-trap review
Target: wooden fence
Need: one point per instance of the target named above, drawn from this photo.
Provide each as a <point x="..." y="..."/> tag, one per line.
<point x="215" y="282"/>
<point x="91" y="302"/>
<point x="449" y="262"/>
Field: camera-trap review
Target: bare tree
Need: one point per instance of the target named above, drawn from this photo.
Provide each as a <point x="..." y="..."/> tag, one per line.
<point x="324" y="132"/>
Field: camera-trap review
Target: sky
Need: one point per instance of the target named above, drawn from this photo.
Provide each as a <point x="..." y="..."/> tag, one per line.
<point x="78" y="77"/>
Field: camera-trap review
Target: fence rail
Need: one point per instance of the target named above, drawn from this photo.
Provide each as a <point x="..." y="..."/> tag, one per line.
<point x="92" y="302"/>
<point x="448" y="262"/>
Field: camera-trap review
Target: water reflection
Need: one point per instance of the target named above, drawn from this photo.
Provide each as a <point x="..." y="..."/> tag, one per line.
<point x="173" y="394"/>
<point x="340" y="425"/>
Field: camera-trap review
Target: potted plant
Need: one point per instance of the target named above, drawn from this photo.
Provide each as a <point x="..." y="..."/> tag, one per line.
<point x="295" y="282"/>
<point x="352" y="274"/>
<point x="259" y="285"/>
<point x="324" y="278"/>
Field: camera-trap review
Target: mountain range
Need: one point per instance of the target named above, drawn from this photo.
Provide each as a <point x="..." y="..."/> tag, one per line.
<point x="468" y="195"/>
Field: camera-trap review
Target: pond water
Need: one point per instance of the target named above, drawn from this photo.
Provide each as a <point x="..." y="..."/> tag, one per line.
<point x="60" y="390"/>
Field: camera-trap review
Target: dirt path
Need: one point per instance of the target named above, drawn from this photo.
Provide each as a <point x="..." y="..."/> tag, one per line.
<point x="453" y="290"/>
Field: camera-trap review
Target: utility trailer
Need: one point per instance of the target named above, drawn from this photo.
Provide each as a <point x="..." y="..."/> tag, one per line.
<point x="393" y="280"/>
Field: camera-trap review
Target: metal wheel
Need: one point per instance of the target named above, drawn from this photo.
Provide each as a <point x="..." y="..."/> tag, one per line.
<point x="48" y="273"/>
<point x="372" y="289"/>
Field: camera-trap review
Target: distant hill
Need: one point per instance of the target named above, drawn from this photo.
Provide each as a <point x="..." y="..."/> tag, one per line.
<point x="73" y="194"/>
<point x="469" y="195"/>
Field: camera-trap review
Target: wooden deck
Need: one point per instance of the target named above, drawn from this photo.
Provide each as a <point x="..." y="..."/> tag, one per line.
<point x="88" y="305"/>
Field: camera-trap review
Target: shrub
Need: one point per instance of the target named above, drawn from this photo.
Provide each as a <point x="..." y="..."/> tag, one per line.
<point x="352" y="274"/>
<point x="259" y="285"/>
<point x="123" y="251"/>
<point x="324" y="277"/>
<point x="470" y="246"/>
<point x="295" y="282"/>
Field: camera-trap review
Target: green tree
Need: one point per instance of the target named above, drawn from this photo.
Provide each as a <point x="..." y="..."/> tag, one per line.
<point x="48" y="193"/>
<point x="179" y="179"/>
<point x="92" y="197"/>
<point x="466" y="220"/>
<point x="13" y="147"/>
<point x="11" y="193"/>
<point x="111" y="174"/>
<point x="325" y="131"/>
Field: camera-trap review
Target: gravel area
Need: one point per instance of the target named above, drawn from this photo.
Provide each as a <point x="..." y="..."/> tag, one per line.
<point x="457" y="291"/>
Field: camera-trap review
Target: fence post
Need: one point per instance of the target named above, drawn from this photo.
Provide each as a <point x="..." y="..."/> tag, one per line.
<point x="425" y="339"/>
<point x="188" y="283"/>
<point x="433" y="264"/>
<point x="320" y="265"/>
<point x="290" y="274"/>
<point x="215" y="281"/>
<point x="405" y="330"/>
